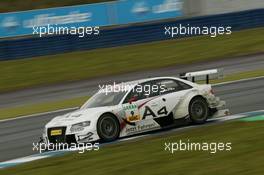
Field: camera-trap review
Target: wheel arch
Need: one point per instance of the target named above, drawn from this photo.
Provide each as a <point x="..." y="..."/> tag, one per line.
<point x="182" y="109"/>
<point x="109" y="113"/>
<point x="196" y="96"/>
<point x="112" y="114"/>
<point x="195" y="121"/>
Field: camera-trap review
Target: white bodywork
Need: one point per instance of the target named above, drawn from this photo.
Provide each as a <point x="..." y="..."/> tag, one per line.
<point x="176" y="104"/>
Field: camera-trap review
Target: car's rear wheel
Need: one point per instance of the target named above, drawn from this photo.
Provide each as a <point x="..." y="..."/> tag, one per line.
<point x="108" y="127"/>
<point x="198" y="110"/>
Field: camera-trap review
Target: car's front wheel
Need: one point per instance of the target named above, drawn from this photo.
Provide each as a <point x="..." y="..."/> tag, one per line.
<point x="108" y="127"/>
<point x="198" y="110"/>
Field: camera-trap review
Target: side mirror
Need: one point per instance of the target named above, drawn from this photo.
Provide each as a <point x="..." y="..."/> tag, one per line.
<point x="132" y="99"/>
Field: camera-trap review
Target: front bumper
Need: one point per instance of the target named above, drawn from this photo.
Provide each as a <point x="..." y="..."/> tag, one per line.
<point x="67" y="137"/>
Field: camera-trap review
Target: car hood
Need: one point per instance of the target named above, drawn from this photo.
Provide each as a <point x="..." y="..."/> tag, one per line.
<point x="80" y="115"/>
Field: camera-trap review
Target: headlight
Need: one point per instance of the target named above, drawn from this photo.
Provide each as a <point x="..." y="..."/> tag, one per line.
<point x="79" y="126"/>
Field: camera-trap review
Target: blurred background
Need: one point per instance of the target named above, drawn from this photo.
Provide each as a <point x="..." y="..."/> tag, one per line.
<point x="132" y="44"/>
<point x="58" y="72"/>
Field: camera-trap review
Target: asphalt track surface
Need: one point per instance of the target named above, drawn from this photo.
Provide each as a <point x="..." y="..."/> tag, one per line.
<point x="88" y="87"/>
<point x="17" y="136"/>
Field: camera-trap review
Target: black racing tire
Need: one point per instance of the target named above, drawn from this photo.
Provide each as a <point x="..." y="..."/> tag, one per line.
<point x="198" y="110"/>
<point x="108" y="128"/>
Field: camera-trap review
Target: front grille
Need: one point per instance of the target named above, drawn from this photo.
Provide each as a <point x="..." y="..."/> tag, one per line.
<point x="61" y="138"/>
<point x="57" y="138"/>
<point x="70" y="139"/>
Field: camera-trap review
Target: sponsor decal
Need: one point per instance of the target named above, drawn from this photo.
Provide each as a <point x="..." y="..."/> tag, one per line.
<point x="140" y="128"/>
<point x="133" y="118"/>
<point x="56" y="132"/>
<point x="162" y="112"/>
<point x="132" y="113"/>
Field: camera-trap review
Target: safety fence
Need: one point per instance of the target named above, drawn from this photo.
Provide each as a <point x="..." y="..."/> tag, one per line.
<point x="35" y="46"/>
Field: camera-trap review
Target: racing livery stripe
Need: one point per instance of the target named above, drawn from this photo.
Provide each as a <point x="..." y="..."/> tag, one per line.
<point x="141" y="105"/>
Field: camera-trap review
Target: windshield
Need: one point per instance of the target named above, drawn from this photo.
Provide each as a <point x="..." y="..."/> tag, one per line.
<point x="104" y="99"/>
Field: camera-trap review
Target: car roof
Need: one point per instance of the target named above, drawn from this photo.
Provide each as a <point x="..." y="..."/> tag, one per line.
<point x="136" y="82"/>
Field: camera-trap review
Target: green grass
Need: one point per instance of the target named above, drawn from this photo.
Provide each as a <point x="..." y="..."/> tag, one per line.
<point x="46" y="70"/>
<point x="147" y="156"/>
<point x="18" y="5"/>
<point x="75" y="102"/>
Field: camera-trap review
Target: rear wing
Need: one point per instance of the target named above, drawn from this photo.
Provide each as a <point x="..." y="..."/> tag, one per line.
<point x="204" y="75"/>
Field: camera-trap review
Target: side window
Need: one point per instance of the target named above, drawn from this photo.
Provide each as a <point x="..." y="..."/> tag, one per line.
<point x="139" y="92"/>
<point x="170" y="85"/>
<point x="184" y="85"/>
<point x="155" y="88"/>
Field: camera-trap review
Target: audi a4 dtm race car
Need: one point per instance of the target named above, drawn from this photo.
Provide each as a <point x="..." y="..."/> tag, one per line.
<point x="108" y="115"/>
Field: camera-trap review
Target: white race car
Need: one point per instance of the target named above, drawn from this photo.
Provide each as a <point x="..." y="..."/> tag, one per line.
<point x="147" y="105"/>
